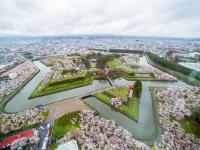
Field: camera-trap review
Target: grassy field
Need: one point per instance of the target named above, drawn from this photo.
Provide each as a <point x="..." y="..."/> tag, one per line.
<point x="191" y="126"/>
<point x="114" y="63"/>
<point x="130" y="109"/>
<point x="120" y="92"/>
<point x="64" y="125"/>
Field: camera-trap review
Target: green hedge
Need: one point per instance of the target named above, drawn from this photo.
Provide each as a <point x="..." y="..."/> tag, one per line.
<point x="69" y="83"/>
<point x="62" y="87"/>
<point x="108" y="94"/>
<point x="68" y="80"/>
<point x="126" y="51"/>
<point x="174" y="66"/>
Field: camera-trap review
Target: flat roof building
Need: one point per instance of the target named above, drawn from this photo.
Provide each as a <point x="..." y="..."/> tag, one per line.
<point x="69" y="145"/>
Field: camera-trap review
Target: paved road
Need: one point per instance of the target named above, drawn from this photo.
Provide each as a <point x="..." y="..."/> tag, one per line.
<point x="44" y="133"/>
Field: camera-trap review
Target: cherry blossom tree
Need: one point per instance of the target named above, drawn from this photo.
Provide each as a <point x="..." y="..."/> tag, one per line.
<point x="116" y="102"/>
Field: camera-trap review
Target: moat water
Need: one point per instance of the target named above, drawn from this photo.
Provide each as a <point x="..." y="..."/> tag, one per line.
<point x="145" y="128"/>
<point x="21" y="100"/>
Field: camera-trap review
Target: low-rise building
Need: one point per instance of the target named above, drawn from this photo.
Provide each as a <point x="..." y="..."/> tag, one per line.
<point x="69" y="145"/>
<point x="8" y="141"/>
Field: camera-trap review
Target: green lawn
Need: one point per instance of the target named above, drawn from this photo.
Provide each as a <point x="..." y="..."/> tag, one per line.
<point x="114" y="63"/>
<point x="130" y="109"/>
<point x="191" y="126"/>
<point x="120" y="92"/>
<point x="64" y="125"/>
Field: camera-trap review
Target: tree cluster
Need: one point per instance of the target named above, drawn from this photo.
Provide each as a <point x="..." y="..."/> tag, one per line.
<point x="86" y="61"/>
<point x="101" y="59"/>
<point x="137" y="88"/>
<point x="174" y="66"/>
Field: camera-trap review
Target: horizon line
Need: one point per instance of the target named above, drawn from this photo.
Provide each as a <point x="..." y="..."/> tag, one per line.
<point x="105" y="35"/>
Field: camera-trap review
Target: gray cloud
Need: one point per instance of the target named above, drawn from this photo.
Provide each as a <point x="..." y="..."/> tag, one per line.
<point x="175" y="18"/>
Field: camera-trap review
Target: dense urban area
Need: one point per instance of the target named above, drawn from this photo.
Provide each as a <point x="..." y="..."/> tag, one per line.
<point x="99" y="93"/>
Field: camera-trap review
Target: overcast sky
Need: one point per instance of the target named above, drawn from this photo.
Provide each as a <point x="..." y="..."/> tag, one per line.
<point x="171" y="18"/>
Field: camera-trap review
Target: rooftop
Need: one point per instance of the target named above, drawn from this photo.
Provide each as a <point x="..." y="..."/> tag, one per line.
<point x="69" y="145"/>
<point x="8" y="140"/>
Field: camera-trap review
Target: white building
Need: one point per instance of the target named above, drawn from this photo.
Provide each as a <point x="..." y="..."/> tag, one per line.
<point x="69" y="145"/>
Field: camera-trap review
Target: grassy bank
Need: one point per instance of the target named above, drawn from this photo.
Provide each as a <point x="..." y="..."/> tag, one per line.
<point x="69" y="83"/>
<point x="130" y="109"/>
<point x="64" y="124"/>
<point x="62" y="87"/>
<point x="155" y="112"/>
